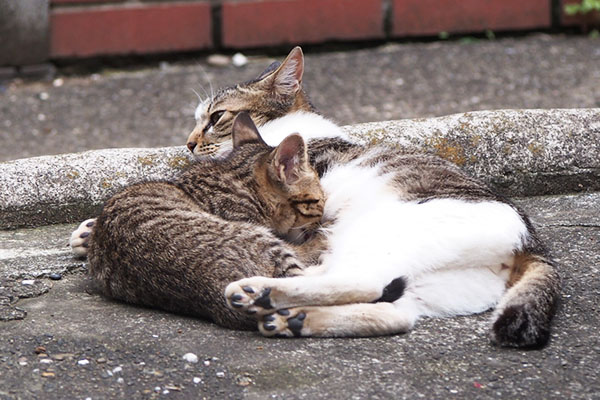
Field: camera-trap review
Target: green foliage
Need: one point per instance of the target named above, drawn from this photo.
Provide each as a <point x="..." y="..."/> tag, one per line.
<point x="586" y="6"/>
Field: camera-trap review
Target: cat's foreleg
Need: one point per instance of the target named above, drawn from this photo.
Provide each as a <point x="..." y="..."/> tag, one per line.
<point x="349" y="320"/>
<point x="263" y="295"/>
<point x="80" y="237"/>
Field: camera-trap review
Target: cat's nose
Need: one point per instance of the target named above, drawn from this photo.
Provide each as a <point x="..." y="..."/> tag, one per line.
<point x="191" y="146"/>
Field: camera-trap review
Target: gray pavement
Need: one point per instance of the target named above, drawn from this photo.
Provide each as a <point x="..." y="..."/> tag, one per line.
<point x="132" y="351"/>
<point x="61" y="340"/>
<point x="153" y="107"/>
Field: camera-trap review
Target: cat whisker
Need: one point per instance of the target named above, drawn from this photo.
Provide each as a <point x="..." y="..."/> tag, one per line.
<point x="198" y="96"/>
<point x="208" y="79"/>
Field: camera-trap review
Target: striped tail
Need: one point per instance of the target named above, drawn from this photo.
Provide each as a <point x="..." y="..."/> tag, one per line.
<point x="524" y="314"/>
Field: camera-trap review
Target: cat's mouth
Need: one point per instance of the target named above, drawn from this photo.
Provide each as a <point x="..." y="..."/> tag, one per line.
<point x="212" y="149"/>
<point x="206" y="149"/>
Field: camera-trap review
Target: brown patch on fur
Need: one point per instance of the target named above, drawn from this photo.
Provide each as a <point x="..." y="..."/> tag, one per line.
<point x="521" y="264"/>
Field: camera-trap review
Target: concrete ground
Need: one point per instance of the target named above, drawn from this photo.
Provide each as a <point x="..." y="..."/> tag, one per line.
<point x="59" y="339"/>
<point x="154" y="106"/>
<point x="93" y="347"/>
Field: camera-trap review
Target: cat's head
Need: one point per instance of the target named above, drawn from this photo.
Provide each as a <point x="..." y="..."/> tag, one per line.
<point x="285" y="181"/>
<point x="277" y="91"/>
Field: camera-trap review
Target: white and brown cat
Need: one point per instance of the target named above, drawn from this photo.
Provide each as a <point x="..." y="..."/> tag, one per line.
<point x="409" y="235"/>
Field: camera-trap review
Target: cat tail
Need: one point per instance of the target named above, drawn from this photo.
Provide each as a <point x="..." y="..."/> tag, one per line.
<point x="524" y="314"/>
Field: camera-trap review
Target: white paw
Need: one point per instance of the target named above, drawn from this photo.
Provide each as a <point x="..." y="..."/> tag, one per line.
<point x="252" y="295"/>
<point x="80" y="237"/>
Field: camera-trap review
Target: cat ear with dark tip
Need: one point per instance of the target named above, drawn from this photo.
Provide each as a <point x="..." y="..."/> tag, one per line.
<point x="287" y="78"/>
<point x="244" y="131"/>
<point x="290" y="160"/>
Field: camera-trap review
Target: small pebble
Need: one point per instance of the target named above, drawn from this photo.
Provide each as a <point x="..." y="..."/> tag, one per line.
<point x="117" y="370"/>
<point x="55" y="276"/>
<point x="101" y="360"/>
<point x="239" y="60"/>
<point x="197" y="380"/>
<point x="165" y="391"/>
<point x="157" y="389"/>
<point x="47" y="374"/>
<point x="28" y="282"/>
<point x="40" y="349"/>
<point x="44" y="96"/>
<point x="120" y="380"/>
<point x="218" y="60"/>
<point x="83" y="362"/>
<point x="220" y="374"/>
<point x="191" y="358"/>
<point x="58" y="82"/>
<point x="206" y="363"/>
<point x="46" y="361"/>
<point x="62" y="356"/>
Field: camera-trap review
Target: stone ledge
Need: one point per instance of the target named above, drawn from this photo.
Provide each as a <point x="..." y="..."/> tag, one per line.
<point x="519" y="152"/>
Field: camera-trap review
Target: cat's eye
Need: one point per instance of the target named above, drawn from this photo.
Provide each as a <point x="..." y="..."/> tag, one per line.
<point x="216" y="116"/>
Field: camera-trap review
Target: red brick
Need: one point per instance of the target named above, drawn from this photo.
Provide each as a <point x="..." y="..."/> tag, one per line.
<point x="272" y="22"/>
<point x="430" y="17"/>
<point x="126" y="29"/>
<point x="71" y="2"/>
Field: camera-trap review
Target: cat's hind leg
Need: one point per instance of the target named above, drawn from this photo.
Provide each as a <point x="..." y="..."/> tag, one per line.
<point x="523" y="316"/>
<point x="349" y="320"/>
<point x="263" y="295"/>
<point x="80" y="237"/>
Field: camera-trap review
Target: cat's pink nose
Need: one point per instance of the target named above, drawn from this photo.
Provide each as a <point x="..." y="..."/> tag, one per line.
<point x="191" y="146"/>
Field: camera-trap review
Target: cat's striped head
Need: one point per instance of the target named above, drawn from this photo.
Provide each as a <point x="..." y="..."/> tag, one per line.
<point x="277" y="91"/>
<point x="286" y="183"/>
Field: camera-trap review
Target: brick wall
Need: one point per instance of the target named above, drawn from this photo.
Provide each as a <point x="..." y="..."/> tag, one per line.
<point x="84" y="28"/>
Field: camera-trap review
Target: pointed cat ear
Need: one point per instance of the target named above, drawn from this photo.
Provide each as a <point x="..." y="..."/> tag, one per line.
<point x="244" y="131"/>
<point x="290" y="160"/>
<point x="269" y="70"/>
<point x="287" y="78"/>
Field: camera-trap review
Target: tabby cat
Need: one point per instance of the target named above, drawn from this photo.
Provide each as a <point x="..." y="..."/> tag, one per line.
<point x="175" y="245"/>
<point x="410" y="229"/>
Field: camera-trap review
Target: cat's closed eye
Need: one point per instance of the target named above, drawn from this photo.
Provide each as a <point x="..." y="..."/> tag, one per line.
<point x="216" y="116"/>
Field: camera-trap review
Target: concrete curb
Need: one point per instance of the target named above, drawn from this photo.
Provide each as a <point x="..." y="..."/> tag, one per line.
<point x="520" y="152"/>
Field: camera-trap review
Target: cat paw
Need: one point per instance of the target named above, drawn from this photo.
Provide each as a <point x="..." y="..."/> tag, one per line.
<point x="283" y="323"/>
<point x="252" y="295"/>
<point x="80" y="237"/>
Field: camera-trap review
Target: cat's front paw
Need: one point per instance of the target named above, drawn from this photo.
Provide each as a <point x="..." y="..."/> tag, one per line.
<point x="252" y="295"/>
<point x="284" y="323"/>
<point x="80" y="237"/>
